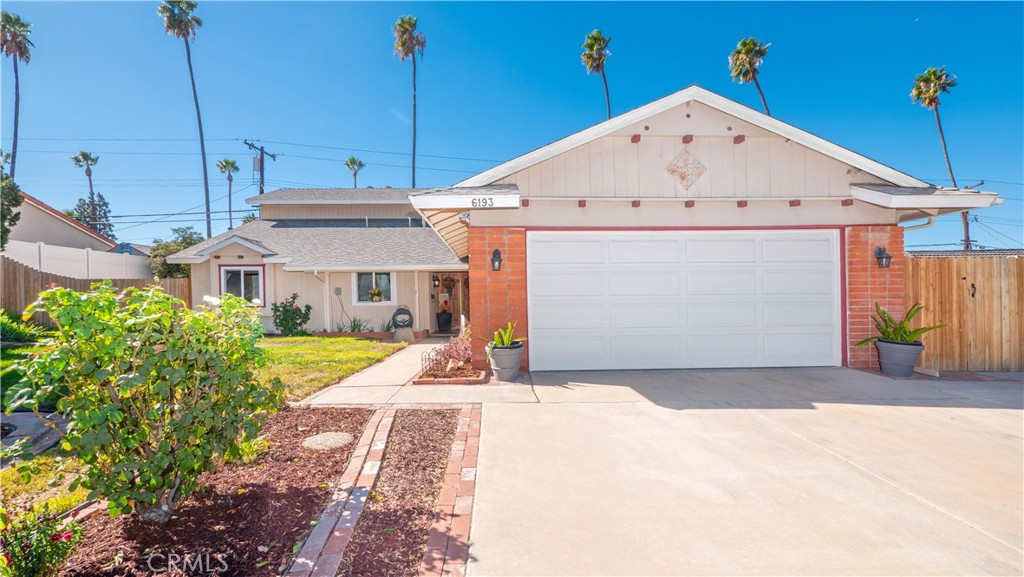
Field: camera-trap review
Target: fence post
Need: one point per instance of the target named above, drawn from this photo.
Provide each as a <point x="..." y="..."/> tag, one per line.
<point x="88" y="263"/>
<point x="39" y="258"/>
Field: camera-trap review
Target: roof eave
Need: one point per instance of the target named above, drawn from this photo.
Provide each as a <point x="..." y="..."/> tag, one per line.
<point x="948" y="200"/>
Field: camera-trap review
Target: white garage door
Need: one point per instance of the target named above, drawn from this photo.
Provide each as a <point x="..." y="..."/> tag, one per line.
<point x="645" y="300"/>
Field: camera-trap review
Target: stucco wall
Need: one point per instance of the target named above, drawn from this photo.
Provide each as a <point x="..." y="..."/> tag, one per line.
<point x="37" y="225"/>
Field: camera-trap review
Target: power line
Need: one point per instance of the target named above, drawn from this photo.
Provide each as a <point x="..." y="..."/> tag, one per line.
<point x="203" y="205"/>
<point x="368" y="151"/>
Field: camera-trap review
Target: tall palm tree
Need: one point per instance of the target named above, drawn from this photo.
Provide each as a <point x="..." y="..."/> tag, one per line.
<point x="595" y="55"/>
<point x="355" y="165"/>
<point x="409" y="41"/>
<point x="86" y="160"/>
<point x="927" y="88"/>
<point x="179" y="22"/>
<point x="14" y="38"/>
<point x="745" y="63"/>
<point x="228" y="167"/>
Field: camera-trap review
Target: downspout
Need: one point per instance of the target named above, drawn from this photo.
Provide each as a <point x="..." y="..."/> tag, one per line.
<point x="927" y="224"/>
<point x="327" y="319"/>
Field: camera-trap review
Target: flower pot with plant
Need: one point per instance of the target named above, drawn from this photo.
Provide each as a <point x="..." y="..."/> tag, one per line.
<point x="376" y="294"/>
<point x="505" y="353"/>
<point x="444" y="317"/>
<point x="899" y="346"/>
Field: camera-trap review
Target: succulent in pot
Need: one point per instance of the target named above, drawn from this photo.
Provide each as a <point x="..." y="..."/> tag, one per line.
<point x="505" y="353"/>
<point x="899" y="346"/>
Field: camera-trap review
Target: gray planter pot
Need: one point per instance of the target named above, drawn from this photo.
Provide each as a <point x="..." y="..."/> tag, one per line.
<point x="898" y="359"/>
<point x="505" y="362"/>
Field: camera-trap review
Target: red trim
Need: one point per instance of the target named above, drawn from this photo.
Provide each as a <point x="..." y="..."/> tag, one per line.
<point x="738" y="139"/>
<point x="655" y="228"/>
<point x="263" y="279"/>
<point x="581" y="203"/>
<point x="845" y="337"/>
<point x="636" y="204"/>
<point x="635" y="138"/>
<point x="794" y="203"/>
<point x="689" y="204"/>
<point x="60" y="215"/>
<point x="687" y="139"/>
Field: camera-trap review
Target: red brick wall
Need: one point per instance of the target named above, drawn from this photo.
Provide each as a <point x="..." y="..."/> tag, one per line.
<point x="496" y="297"/>
<point x="867" y="284"/>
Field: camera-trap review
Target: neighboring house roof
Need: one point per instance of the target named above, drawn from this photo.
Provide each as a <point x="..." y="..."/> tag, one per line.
<point x="972" y="253"/>
<point x="334" y="196"/>
<point x="327" y="245"/>
<point x="698" y="94"/>
<point x="66" y="219"/>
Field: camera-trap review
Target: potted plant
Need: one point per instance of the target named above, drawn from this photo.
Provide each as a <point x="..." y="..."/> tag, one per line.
<point x="898" y="345"/>
<point x="444" y="318"/>
<point x="505" y="352"/>
<point x="376" y="294"/>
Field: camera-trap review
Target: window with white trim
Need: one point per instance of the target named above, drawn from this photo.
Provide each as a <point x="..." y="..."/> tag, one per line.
<point x="373" y="288"/>
<point x="243" y="281"/>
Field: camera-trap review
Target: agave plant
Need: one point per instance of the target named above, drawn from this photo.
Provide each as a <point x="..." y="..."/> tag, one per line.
<point x="505" y="337"/>
<point x="890" y="329"/>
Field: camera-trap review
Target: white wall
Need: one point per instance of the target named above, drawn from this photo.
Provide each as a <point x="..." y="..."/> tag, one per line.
<point x="78" y="262"/>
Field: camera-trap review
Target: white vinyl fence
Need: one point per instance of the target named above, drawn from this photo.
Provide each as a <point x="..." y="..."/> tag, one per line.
<point x="78" y="262"/>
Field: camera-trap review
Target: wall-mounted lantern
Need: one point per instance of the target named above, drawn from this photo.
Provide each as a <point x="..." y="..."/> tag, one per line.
<point x="437" y="282"/>
<point x="496" y="260"/>
<point x="882" y="257"/>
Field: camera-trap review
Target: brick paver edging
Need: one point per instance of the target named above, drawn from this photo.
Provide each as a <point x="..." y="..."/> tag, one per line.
<point x="447" y="551"/>
<point x="324" y="549"/>
<point x="480" y="379"/>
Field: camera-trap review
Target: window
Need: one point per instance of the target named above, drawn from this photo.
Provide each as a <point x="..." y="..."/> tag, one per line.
<point x="243" y="281"/>
<point x="367" y="281"/>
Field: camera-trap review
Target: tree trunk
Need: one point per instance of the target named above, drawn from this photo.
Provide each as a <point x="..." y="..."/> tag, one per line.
<point x="231" y="222"/>
<point x="964" y="216"/>
<point x="202" y="140"/>
<point x="764" y="102"/>
<point x="355" y="180"/>
<point x="607" y="99"/>
<point x="93" y="222"/>
<point x="17" y="107"/>
<point x="414" y="120"/>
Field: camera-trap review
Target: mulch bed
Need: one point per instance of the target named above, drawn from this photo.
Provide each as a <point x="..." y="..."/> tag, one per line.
<point x="237" y="511"/>
<point x="391" y="534"/>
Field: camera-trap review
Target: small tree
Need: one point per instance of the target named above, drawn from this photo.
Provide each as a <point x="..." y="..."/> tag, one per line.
<point x="289" y="319"/>
<point x="10" y="199"/>
<point x="158" y="392"/>
<point x="83" y="213"/>
<point x="184" y="237"/>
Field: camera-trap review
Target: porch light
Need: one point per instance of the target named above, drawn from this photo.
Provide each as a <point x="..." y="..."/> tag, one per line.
<point x="882" y="257"/>
<point x="437" y="282"/>
<point x="496" y="260"/>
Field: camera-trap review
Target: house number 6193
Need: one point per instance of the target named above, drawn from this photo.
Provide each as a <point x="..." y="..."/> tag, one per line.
<point x="482" y="202"/>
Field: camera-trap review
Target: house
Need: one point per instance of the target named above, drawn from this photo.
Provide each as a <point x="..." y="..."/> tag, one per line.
<point x="692" y="232"/>
<point x="331" y="247"/>
<point x="41" y="222"/>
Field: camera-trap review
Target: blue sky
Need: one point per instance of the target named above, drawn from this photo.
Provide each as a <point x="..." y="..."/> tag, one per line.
<point x="498" y="79"/>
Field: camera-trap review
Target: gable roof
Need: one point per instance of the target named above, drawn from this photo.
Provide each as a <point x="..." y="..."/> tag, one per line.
<point x="66" y="219"/>
<point x="335" y="196"/>
<point x="708" y="98"/>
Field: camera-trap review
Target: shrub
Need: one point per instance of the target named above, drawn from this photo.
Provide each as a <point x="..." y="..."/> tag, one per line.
<point x="158" y="392"/>
<point x="289" y="319"/>
<point x="355" y="325"/>
<point x="36" y="543"/>
<point x="453" y="359"/>
<point x="13" y="330"/>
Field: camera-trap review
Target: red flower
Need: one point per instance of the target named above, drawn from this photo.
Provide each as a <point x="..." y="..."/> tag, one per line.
<point x="66" y="536"/>
<point x="7" y="557"/>
<point x="295" y="307"/>
<point x="55" y="537"/>
<point x="74" y="513"/>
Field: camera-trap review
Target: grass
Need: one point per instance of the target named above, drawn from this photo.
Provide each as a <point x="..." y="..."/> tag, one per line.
<point x="45" y="486"/>
<point x="307" y="364"/>
<point x="8" y="376"/>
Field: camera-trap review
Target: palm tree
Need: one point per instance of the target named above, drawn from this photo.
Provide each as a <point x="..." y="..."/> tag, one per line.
<point x="927" y="88"/>
<point x="228" y="167"/>
<point x="355" y="165"/>
<point x="179" y="22"/>
<point x="595" y="55"/>
<point x="87" y="160"/>
<point x="14" y="37"/>
<point x="409" y="41"/>
<point x="745" y="62"/>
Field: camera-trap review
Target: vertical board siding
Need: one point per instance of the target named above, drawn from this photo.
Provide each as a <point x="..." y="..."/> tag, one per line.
<point x="22" y="284"/>
<point x="980" y="297"/>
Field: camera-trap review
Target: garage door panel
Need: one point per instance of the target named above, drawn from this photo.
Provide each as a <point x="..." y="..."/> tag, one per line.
<point x="798" y="282"/>
<point x="644" y="251"/>
<point x="644" y="283"/>
<point x="683" y="299"/>
<point x="721" y="282"/>
<point x="718" y="314"/>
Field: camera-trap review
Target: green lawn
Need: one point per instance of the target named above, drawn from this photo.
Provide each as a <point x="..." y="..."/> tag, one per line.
<point x="45" y="486"/>
<point x="8" y="356"/>
<point x="307" y="364"/>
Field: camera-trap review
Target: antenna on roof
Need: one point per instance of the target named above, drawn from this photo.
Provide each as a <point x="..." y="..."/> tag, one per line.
<point x="973" y="186"/>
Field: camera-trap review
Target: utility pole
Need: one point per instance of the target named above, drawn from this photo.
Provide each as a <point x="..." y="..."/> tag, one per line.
<point x="263" y="154"/>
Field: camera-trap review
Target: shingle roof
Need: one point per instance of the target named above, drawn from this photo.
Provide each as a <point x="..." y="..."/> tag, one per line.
<point x="339" y="243"/>
<point x="979" y="252"/>
<point x="335" y="195"/>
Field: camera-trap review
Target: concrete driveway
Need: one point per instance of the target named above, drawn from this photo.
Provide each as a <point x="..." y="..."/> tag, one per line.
<point x="750" y="472"/>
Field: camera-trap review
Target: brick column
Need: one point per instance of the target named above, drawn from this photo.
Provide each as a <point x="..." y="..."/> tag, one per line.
<point x="867" y="284"/>
<point x="497" y="297"/>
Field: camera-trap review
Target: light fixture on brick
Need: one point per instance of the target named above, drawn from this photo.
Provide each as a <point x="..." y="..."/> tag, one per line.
<point x="496" y="260"/>
<point x="883" y="257"/>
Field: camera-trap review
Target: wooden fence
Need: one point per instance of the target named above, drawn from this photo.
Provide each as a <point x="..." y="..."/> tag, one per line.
<point x="20" y="285"/>
<point x="981" y="298"/>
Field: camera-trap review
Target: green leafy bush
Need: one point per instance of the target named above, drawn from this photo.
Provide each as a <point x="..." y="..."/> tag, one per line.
<point x="158" y="392"/>
<point x="36" y="543"/>
<point x="289" y="318"/>
<point x="13" y="330"/>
